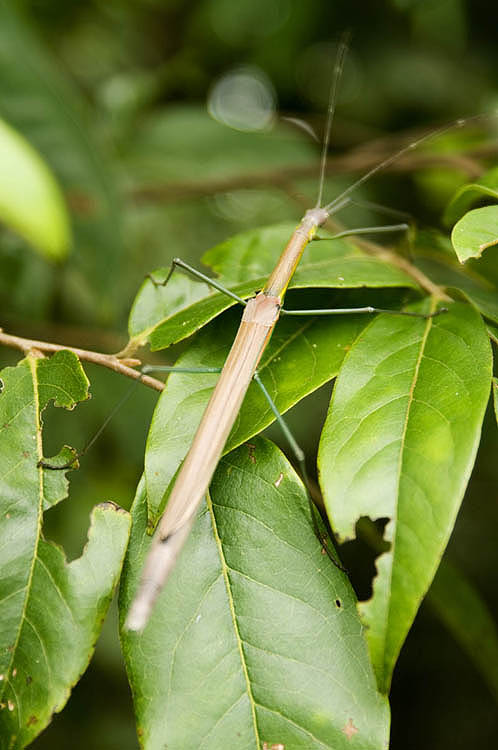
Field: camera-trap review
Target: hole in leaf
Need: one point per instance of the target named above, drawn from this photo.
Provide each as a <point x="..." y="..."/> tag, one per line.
<point x="359" y="555"/>
<point x="338" y="603"/>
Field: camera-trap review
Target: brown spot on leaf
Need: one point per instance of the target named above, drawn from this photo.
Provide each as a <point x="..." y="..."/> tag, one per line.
<point x="110" y="505"/>
<point x="6" y="425"/>
<point x="32" y="720"/>
<point x="349" y="730"/>
<point x="251" y="448"/>
<point x="29" y="680"/>
<point x="26" y="454"/>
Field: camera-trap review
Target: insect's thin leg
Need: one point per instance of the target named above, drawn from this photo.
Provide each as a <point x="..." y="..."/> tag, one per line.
<point x="178" y="263"/>
<point x="366" y="230"/>
<point x="300" y="458"/>
<point x="80" y="454"/>
<point x="364" y="310"/>
<point x="173" y="368"/>
<point x="144" y="370"/>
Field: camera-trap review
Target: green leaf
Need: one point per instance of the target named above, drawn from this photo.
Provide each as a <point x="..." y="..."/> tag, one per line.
<point x="480" y="291"/>
<point x="302" y="355"/>
<point x="165" y="315"/>
<point x="256" y="635"/>
<point x="462" y="610"/>
<point x="31" y="202"/>
<point x="51" y="611"/>
<point x="475" y="232"/>
<point x="399" y="443"/>
<point x="325" y="263"/>
<point x="61" y="622"/>
<point x="485" y="187"/>
<point x="42" y="104"/>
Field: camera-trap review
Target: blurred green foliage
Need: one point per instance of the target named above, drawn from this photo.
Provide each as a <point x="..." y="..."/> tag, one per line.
<point x="113" y="94"/>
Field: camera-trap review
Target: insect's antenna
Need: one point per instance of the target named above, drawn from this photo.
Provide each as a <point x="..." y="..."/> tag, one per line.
<point x="338" y="68"/>
<point x="390" y="159"/>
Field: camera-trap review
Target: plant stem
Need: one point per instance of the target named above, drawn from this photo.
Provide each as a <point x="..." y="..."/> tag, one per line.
<point x="121" y="366"/>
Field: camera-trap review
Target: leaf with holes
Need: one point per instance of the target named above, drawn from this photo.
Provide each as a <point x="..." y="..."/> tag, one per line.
<point x="164" y="315"/>
<point x="475" y="232"/>
<point x="303" y="354"/>
<point x="255" y="637"/>
<point x="399" y="443"/>
<point x="51" y="611"/>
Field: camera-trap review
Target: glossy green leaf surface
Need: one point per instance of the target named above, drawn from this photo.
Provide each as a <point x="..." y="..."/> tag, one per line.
<point x="303" y="354"/>
<point x="51" y="611"/>
<point x="31" y="202"/>
<point x="399" y="443"/>
<point x="466" y="615"/>
<point x="165" y="315"/>
<point x="485" y="187"/>
<point x="475" y="232"/>
<point x="326" y="262"/>
<point x="255" y="637"/>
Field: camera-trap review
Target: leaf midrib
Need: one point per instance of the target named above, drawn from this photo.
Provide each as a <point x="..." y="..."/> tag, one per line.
<point x="411" y="399"/>
<point x="32" y="363"/>
<point x="224" y="568"/>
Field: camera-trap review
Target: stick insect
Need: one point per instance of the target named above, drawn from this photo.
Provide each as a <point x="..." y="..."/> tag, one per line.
<point x="259" y="318"/>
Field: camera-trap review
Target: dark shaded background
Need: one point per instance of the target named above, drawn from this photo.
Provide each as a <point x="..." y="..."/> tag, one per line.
<point x="133" y="80"/>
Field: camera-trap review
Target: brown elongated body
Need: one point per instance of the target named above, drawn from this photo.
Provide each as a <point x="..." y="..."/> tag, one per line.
<point x="258" y="321"/>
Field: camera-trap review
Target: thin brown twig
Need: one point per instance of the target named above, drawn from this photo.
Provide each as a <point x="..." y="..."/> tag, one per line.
<point x="123" y="367"/>
<point x="360" y="159"/>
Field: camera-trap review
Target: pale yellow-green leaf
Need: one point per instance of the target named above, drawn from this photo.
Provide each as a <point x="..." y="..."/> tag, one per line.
<point x="31" y="202"/>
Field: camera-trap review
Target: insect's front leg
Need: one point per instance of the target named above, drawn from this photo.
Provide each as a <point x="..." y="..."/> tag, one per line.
<point x="180" y="265"/>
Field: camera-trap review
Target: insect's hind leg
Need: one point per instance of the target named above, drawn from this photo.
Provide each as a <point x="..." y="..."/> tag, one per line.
<point x="173" y="368"/>
<point x="300" y="458"/>
<point x="364" y="310"/>
<point x="180" y="265"/>
<point x="384" y="229"/>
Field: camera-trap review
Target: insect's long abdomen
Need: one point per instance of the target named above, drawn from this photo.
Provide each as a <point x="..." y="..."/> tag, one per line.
<point x="260" y="316"/>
